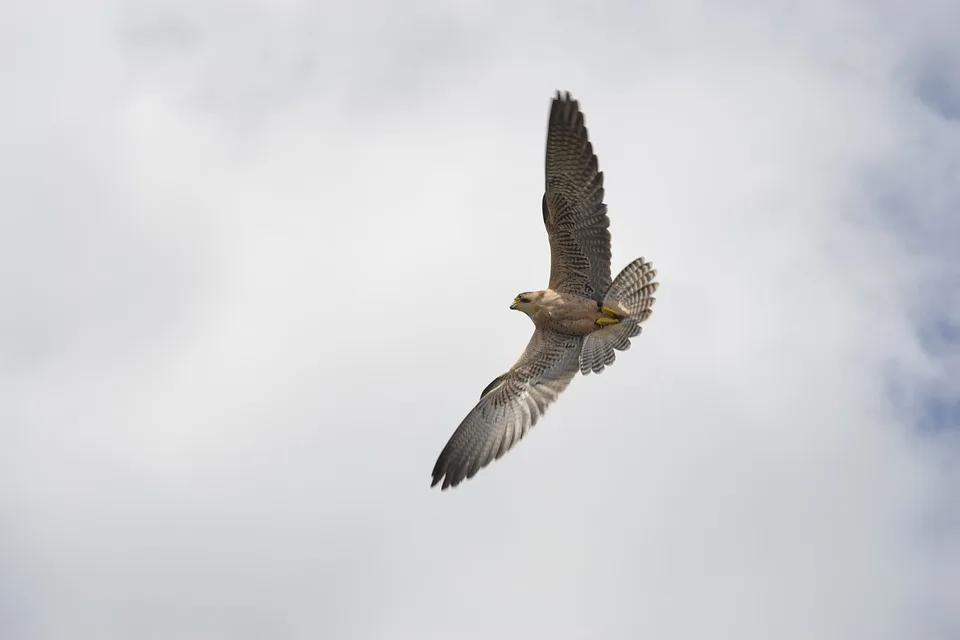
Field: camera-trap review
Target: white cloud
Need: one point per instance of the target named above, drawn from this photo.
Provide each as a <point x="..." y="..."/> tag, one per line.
<point x="237" y="243"/>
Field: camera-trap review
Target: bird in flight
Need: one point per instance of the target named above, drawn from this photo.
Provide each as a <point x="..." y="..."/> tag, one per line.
<point x="580" y="320"/>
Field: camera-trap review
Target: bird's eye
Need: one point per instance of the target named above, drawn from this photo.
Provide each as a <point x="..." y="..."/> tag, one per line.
<point x="524" y="300"/>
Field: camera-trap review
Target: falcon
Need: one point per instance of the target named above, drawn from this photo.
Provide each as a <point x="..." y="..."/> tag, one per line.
<point x="580" y="320"/>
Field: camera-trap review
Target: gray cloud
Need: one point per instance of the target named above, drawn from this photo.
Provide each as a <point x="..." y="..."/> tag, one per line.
<point x="257" y="264"/>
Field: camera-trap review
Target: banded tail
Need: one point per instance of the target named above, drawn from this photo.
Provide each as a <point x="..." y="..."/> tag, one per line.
<point x="632" y="290"/>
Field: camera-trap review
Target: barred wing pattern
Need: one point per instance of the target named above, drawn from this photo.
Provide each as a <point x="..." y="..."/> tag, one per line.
<point x="510" y="406"/>
<point x="573" y="209"/>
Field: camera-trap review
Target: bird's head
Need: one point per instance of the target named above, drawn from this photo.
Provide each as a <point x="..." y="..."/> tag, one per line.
<point x="527" y="302"/>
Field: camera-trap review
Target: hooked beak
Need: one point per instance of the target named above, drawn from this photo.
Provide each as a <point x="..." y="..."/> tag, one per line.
<point x="514" y="305"/>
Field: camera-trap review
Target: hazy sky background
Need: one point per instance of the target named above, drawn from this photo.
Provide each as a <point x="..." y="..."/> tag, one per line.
<point x="255" y="264"/>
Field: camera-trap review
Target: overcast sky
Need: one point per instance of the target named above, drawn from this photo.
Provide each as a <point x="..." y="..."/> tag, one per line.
<point x="255" y="264"/>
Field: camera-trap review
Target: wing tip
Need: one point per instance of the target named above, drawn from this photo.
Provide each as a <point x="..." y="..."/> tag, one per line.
<point x="440" y="473"/>
<point x="443" y="472"/>
<point x="447" y="482"/>
<point x="566" y="109"/>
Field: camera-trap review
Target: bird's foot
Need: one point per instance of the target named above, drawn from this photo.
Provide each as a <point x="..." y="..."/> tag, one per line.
<point x="605" y="321"/>
<point x="607" y="311"/>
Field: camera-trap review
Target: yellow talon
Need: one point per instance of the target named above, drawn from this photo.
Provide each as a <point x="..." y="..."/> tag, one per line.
<point x="603" y="322"/>
<point x="607" y="311"/>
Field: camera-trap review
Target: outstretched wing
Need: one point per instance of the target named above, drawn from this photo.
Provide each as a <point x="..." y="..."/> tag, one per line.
<point x="573" y="209"/>
<point x="509" y="406"/>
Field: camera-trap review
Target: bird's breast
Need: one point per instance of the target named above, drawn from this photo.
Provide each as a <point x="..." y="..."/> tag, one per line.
<point x="572" y="315"/>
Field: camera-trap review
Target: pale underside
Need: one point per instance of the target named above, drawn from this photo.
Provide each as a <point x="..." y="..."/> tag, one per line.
<point x="577" y="226"/>
<point x="569" y="313"/>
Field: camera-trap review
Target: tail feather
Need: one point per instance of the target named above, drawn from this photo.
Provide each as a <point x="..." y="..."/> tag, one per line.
<point x="632" y="291"/>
